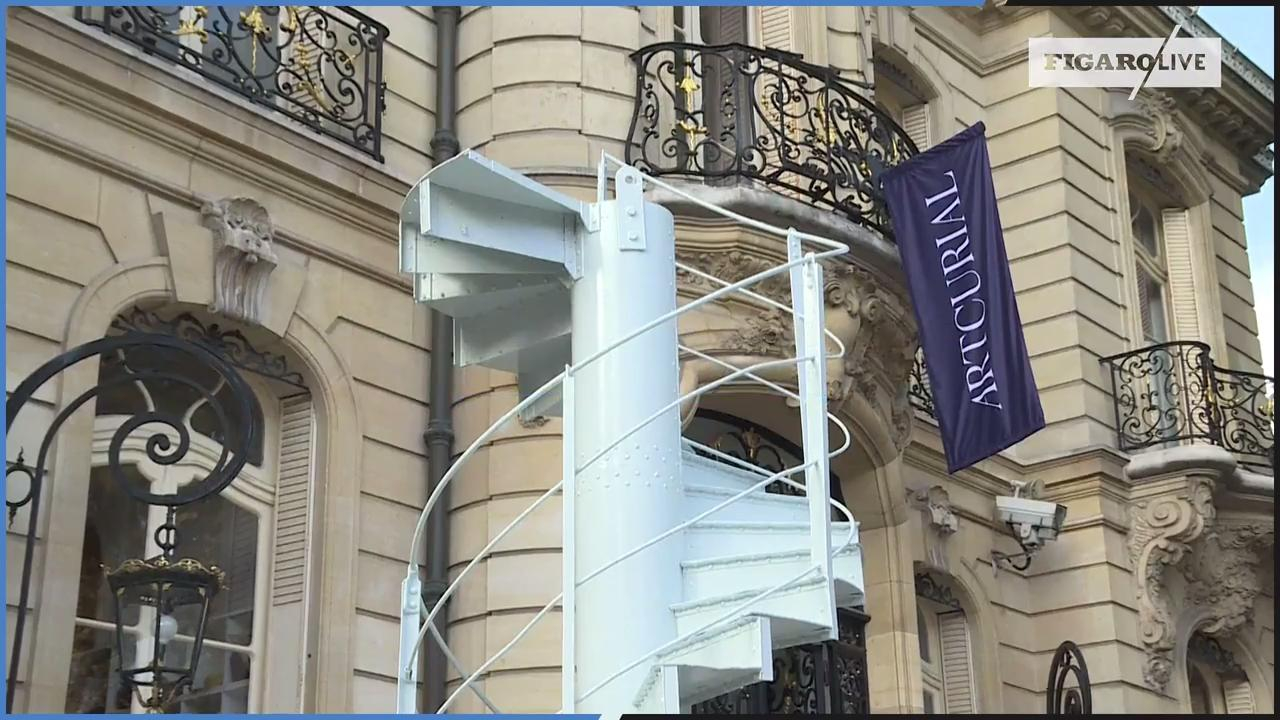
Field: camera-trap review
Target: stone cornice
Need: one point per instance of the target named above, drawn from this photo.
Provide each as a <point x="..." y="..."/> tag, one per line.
<point x="1234" y="60"/>
<point x="1241" y="113"/>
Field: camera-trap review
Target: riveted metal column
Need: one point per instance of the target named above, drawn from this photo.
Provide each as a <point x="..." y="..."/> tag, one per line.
<point x="632" y="493"/>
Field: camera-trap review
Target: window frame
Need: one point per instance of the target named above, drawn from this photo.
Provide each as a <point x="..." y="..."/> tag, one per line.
<point x="251" y="490"/>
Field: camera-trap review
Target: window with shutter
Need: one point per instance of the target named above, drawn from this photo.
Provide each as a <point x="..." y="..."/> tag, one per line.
<point x="229" y="530"/>
<point x="1238" y="695"/>
<point x="289" y="572"/>
<point x="915" y="121"/>
<point x="946" y="664"/>
<point x="957" y="673"/>
<point x="1175" y="224"/>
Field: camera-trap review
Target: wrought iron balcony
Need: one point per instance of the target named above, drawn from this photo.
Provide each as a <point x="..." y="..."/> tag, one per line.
<point x="1173" y="393"/>
<point x="728" y="113"/>
<point x="918" y="391"/>
<point x="321" y="66"/>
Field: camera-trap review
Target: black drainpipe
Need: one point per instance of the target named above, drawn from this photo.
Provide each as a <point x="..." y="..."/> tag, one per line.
<point x="439" y="435"/>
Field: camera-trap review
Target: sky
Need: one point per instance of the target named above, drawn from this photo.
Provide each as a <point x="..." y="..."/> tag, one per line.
<point x="1250" y="29"/>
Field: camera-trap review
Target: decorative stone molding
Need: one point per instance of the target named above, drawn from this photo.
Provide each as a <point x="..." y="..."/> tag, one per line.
<point x="932" y="588"/>
<point x="1161" y="534"/>
<point x="862" y="312"/>
<point x="731" y="266"/>
<point x="1153" y="121"/>
<point x="1217" y="559"/>
<point x="244" y="257"/>
<point x="936" y="504"/>
<point x="1222" y="574"/>
<point x="1229" y="112"/>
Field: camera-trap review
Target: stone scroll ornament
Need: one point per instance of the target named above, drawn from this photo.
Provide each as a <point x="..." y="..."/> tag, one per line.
<point x="244" y="256"/>
<point x="1217" y="558"/>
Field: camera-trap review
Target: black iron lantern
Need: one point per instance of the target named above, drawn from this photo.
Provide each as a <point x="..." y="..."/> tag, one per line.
<point x="172" y="597"/>
<point x="166" y="595"/>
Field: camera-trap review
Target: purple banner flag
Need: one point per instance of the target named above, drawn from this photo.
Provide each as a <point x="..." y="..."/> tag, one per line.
<point x="943" y="207"/>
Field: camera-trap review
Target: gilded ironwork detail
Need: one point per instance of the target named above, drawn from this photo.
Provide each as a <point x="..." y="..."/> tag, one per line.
<point x="766" y="116"/>
<point x="321" y="66"/>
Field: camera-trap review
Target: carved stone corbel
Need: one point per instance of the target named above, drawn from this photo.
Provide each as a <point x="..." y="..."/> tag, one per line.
<point x="1217" y="558"/>
<point x="936" y="504"/>
<point x="244" y="256"/>
<point x="1161" y="533"/>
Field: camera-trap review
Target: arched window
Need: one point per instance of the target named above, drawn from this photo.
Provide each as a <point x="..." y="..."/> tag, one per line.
<point x="903" y="97"/>
<point x="256" y="530"/>
<point x="946" y="664"/>
<point x="1216" y="684"/>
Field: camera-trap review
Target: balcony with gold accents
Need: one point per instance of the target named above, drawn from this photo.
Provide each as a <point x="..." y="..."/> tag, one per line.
<point x="321" y="66"/>
<point x="731" y="114"/>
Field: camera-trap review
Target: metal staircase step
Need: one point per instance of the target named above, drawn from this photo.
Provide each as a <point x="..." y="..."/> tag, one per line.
<point x="732" y="574"/>
<point x="740" y="653"/>
<point x="798" y="614"/>
<point x="754" y="507"/>
<point x="710" y="538"/>
<point x="699" y="470"/>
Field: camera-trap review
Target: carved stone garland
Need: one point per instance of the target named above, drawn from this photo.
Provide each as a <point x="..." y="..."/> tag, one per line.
<point x="1218" y="560"/>
<point x="882" y="320"/>
<point x="244" y="256"/>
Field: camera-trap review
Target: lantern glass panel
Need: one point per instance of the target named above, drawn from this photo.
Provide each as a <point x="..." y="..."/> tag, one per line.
<point x="222" y="533"/>
<point x="173" y="601"/>
<point x="94" y="686"/>
<point x="115" y="530"/>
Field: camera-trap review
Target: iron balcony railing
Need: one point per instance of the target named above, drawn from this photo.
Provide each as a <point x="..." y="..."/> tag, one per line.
<point x="729" y="113"/>
<point x="1174" y="393"/>
<point x="321" y="66"/>
<point x="918" y="391"/>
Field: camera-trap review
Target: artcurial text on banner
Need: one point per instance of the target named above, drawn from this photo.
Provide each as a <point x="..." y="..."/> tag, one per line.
<point x="943" y="207"/>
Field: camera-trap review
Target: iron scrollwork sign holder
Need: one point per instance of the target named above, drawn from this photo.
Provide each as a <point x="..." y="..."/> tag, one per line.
<point x="1068" y="661"/>
<point x="235" y="411"/>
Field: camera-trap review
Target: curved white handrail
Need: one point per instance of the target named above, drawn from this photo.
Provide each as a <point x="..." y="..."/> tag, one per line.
<point x="779" y="476"/>
<point x="833" y="248"/>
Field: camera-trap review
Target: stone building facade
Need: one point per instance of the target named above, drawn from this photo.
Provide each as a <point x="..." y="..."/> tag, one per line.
<point x="149" y="187"/>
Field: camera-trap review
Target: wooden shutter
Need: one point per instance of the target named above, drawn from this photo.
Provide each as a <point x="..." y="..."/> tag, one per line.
<point x="915" y="120"/>
<point x="775" y="27"/>
<point x="774" y="30"/>
<point x="1185" y="320"/>
<point x="293" y="500"/>
<point x="957" y="673"/>
<point x="728" y="25"/>
<point x="286" y="653"/>
<point x="1239" y="697"/>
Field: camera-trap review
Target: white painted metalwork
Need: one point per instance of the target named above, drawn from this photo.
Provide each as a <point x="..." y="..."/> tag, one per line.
<point x="537" y="278"/>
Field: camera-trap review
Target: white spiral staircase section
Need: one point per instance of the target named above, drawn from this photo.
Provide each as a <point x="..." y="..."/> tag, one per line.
<point x="682" y="575"/>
